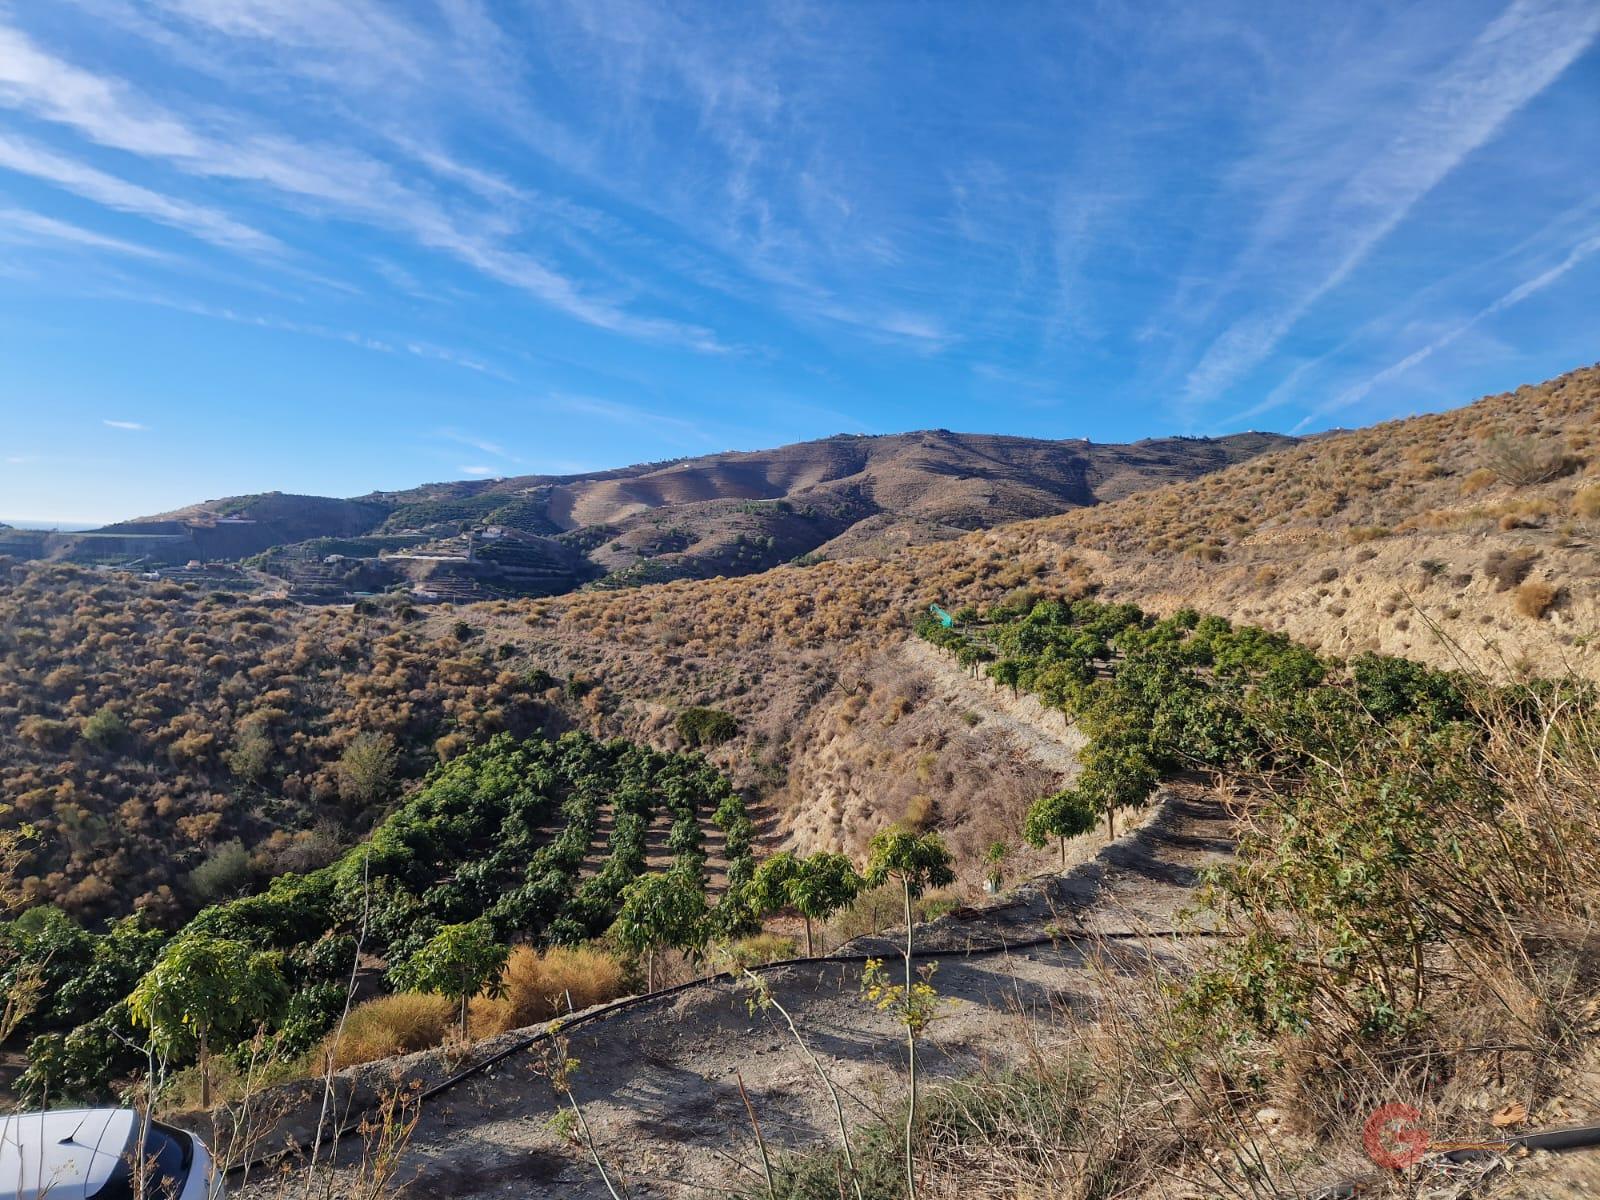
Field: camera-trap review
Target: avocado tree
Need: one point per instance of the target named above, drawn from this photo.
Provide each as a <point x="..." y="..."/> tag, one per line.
<point x="915" y="863"/>
<point x="459" y="962"/>
<point x="201" y="988"/>
<point x="769" y="886"/>
<point x="1118" y="773"/>
<point x="661" y="910"/>
<point x="816" y="887"/>
<point x="994" y="863"/>
<point x="1007" y="673"/>
<point x="1060" y="815"/>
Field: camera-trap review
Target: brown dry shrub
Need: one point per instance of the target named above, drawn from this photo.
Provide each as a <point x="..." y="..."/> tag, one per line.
<point x="1586" y="502"/>
<point x="1535" y="598"/>
<point x="1478" y="481"/>
<point x="390" y="1025"/>
<point x="1367" y="533"/>
<point x="1523" y="461"/>
<point x="1507" y="568"/>
<point x="540" y="985"/>
<point x="921" y="812"/>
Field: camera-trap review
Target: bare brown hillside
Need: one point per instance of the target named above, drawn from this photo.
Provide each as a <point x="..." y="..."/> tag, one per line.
<point x="720" y="514"/>
<point x="1483" y="521"/>
<point x="1482" y="524"/>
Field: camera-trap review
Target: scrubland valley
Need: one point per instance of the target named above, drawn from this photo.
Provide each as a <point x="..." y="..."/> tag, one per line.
<point x="1289" y="772"/>
<point x="692" y="518"/>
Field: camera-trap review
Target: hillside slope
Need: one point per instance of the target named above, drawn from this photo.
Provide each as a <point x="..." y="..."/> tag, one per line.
<point x="1484" y="520"/>
<point x="722" y="514"/>
<point x="1413" y="537"/>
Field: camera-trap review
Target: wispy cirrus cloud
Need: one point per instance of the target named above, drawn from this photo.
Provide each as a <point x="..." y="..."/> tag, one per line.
<point x="108" y="111"/>
<point x="676" y="430"/>
<point x="1554" y="238"/>
<point x="208" y="224"/>
<point x="23" y="225"/>
<point x="478" y="443"/>
<point x="1511" y="61"/>
<point x="364" y="341"/>
<point x="1529" y="287"/>
<point x="126" y="426"/>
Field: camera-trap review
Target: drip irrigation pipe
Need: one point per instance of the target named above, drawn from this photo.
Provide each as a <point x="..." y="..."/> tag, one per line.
<point x="348" y="1127"/>
<point x="1581" y="1137"/>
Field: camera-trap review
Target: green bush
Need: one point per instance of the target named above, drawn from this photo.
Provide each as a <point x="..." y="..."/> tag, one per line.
<point x="705" y="726"/>
<point x="224" y="872"/>
<point x="105" y="729"/>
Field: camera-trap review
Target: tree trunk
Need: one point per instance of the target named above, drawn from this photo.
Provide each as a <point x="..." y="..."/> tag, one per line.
<point x="463" y="1014"/>
<point x="1063" y="840"/>
<point x="1111" y="823"/>
<point x="650" y="970"/>
<point x="911" y="1057"/>
<point x="205" y="1070"/>
<point x="808" y="937"/>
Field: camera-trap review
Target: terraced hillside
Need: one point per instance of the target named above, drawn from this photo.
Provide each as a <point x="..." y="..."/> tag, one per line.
<point x="1469" y="533"/>
<point x="1470" y="536"/>
<point x="534" y="840"/>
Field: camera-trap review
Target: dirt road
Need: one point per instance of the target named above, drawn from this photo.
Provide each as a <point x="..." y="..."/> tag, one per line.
<point x="657" y="1082"/>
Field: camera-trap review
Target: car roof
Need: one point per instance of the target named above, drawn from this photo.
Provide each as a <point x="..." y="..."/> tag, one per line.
<point x="66" y="1154"/>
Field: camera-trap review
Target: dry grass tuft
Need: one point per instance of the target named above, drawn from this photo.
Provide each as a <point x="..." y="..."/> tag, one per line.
<point x="544" y="984"/>
<point x="390" y="1025"/>
<point x="1535" y="598"/>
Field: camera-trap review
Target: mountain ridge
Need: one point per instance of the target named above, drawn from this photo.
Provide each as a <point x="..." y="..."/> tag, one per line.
<point x="730" y="513"/>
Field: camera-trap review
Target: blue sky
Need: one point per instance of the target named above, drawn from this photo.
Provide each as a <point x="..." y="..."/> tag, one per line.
<point x="334" y="245"/>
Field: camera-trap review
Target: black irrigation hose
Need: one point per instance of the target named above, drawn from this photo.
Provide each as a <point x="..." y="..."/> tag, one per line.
<point x="347" y="1128"/>
<point x="1581" y="1137"/>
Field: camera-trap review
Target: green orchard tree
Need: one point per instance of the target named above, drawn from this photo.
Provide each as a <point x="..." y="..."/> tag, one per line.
<point x="459" y="962"/>
<point x="202" y="988"/>
<point x="661" y="910"/>
<point x="1118" y="773"/>
<point x="1060" y="815"/>
<point x="916" y="863"/>
<point x="816" y="887"/>
<point x="994" y="863"/>
<point x="1008" y="673"/>
<point x="1061" y="683"/>
<point x="769" y="886"/>
<point x="826" y="883"/>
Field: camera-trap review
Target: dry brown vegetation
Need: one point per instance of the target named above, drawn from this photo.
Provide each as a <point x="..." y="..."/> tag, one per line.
<point x="1395" y="489"/>
<point x="390" y="1025"/>
<point x="145" y="727"/>
<point x="541" y="984"/>
<point x="536" y="986"/>
<point x="234" y="715"/>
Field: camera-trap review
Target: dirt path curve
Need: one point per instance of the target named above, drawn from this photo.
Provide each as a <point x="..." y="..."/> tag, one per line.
<point x="657" y="1082"/>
